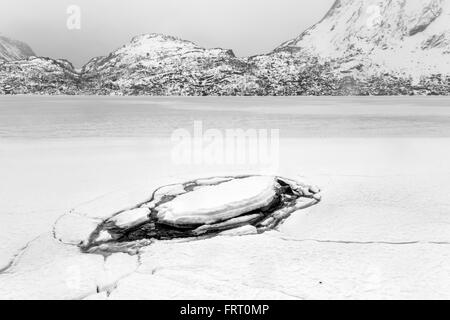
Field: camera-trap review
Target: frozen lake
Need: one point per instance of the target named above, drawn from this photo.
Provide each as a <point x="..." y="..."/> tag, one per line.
<point x="73" y="117"/>
<point x="382" y="230"/>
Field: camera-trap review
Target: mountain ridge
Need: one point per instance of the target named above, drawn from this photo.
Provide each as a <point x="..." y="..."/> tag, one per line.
<point x="360" y="47"/>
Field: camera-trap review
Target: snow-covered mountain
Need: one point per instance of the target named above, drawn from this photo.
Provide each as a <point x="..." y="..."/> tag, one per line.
<point x="367" y="46"/>
<point x="409" y="37"/>
<point x="163" y="65"/>
<point x="360" y="47"/>
<point x="14" y="50"/>
<point x="21" y="72"/>
<point x="38" y="75"/>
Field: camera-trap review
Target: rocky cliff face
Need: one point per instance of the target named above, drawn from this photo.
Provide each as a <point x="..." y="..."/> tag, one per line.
<point x="360" y="47"/>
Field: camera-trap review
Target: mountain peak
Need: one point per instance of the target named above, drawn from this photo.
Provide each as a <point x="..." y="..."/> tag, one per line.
<point x="377" y="22"/>
<point x="157" y="37"/>
<point x="158" y="41"/>
<point x="153" y="48"/>
<point x="152" y="45"/>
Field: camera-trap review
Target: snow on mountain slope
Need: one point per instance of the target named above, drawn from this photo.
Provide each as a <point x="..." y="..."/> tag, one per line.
<point x="150" y="50"/>
<point x="38" y="76"/>
<point x="23" y="73"/>
<point x="164" y="65"/>
<point x="365" y="47"/>
<point x="360" y="47"/>
<point x="14" y="50"/>
<point x="408" y="37"/>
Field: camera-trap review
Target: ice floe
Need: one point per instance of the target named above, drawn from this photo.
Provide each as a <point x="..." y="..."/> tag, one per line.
<point x="209" y="206"/>
<point x="219" y="202"/>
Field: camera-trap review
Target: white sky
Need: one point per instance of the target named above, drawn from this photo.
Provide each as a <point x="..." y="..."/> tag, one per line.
<point x="247" y="26"/>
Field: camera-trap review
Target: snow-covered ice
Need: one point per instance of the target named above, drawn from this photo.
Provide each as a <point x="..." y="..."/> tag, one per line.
<point x="217" y="203"/>
<point x="381" y="231"/>
<point x="131" y="218"/>
<point x="185" y="210"/>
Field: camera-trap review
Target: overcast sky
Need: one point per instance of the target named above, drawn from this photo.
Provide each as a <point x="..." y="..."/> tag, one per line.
<point x="246" y="26"/>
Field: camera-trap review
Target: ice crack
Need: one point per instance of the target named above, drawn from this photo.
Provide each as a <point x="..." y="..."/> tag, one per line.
<point x="413" y="242"/>
<point x="16" y="256"/>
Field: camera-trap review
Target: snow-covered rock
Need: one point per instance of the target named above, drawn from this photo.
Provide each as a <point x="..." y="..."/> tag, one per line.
<point x="220" y="202"/>
<point x="122" y="221"/>
<point x="131" y="218"/>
